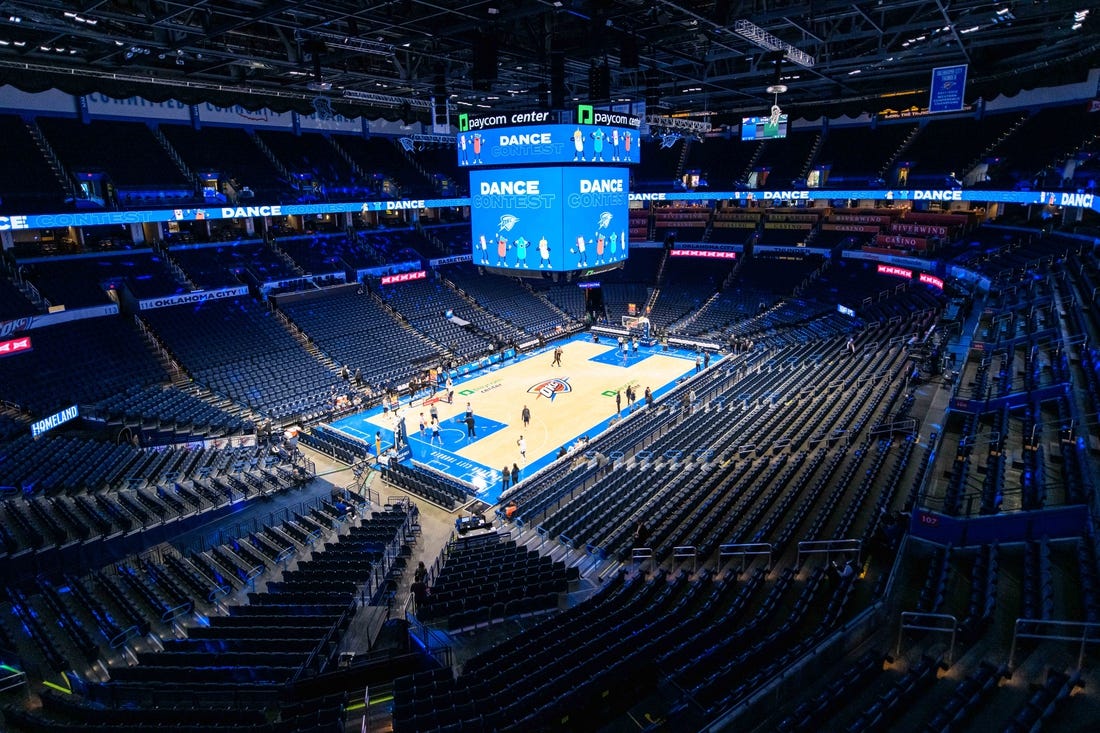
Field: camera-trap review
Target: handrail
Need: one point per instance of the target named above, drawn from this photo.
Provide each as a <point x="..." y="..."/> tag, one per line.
<point x="743" y="550"/>
<point x="935" y="622"/>
<point x="1020" y="631"/>
<point x="811" y="547"/>
<point x="686" y="552"/>
<point x="641" y="555"/>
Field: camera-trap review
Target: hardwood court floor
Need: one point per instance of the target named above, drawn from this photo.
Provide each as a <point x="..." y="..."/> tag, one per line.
<point x="566" y="402"/>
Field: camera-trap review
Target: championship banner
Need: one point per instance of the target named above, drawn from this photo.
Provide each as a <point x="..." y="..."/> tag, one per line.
<point x="948" y="88"/>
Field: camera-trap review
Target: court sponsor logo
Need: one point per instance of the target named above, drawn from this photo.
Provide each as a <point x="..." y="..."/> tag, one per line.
<point x="550" y="388"/>
<point x="491" y="386"/>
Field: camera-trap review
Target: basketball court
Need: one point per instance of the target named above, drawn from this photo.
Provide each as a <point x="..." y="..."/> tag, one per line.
<point x="566" y="403"/>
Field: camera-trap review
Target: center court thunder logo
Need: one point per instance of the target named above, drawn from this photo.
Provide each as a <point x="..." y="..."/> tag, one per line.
<point x="551" y="388"/>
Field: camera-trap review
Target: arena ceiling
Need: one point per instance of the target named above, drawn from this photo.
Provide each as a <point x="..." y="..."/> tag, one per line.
<point x="713" y="60"/>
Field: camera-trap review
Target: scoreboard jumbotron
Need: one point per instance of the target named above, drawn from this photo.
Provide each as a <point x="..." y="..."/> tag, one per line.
<point x="549" y="197"/>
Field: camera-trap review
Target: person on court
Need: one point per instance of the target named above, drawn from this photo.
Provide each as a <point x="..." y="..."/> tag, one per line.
<point x="435" y="432"/>
<point x="526" y="415"/>
<point x="470" y="432"/>
<point x="522" y="443"/>
<point x="557" y="357"/>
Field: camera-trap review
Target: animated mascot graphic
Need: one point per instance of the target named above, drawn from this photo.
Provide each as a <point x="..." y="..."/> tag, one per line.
<point x="544" y="253"/>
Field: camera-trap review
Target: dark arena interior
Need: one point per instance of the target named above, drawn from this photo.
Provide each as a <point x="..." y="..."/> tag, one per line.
<point x="822" y="454"/>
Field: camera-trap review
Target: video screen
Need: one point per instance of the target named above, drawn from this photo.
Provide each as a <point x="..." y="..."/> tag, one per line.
<point x="764" y="128"/>
<point x="549" y="219"/>
<point x="549" y="144"/>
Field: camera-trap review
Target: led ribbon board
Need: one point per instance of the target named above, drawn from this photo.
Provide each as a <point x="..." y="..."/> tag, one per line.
<point x="22" y="222"/>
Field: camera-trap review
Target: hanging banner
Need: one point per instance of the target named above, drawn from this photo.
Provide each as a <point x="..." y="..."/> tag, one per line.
<point x="948" y="88"/>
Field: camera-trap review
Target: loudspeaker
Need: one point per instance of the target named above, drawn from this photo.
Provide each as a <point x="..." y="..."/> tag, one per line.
<point x="599" y="82"/>
<point x="557" y="80"/>
<point x="439" y="91"/>
<point x="722" y="11"/>
<point x="652" y="89"/>
<point x="628" y="53"/>
<point x="485" y="57"/>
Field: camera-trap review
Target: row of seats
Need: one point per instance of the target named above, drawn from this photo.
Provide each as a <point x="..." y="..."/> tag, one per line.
<point x="437" y="488"/>
<point x="78" y="362"/>
<point x="355" y="330"/>
<point x="13" y="303"/>
<point x="605" y="514"/>
<point x="478" y="574"/>
<point x="57" y="464"/>
<point x="167" y="410"/>
<point x="279" y="632"/>
<point x="423" y="301"/>
<point x="323" y="253"/>
<point x="897" y="697"/>
<point x="807" y="717"/>
<point x="337" y="445"/>
<point x="1037" y="596"/>
<point x="968" y="696"/>
<point x="241" y="351"/>
<point x="508" y="300"/>
<point x="1045" y="701"/>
